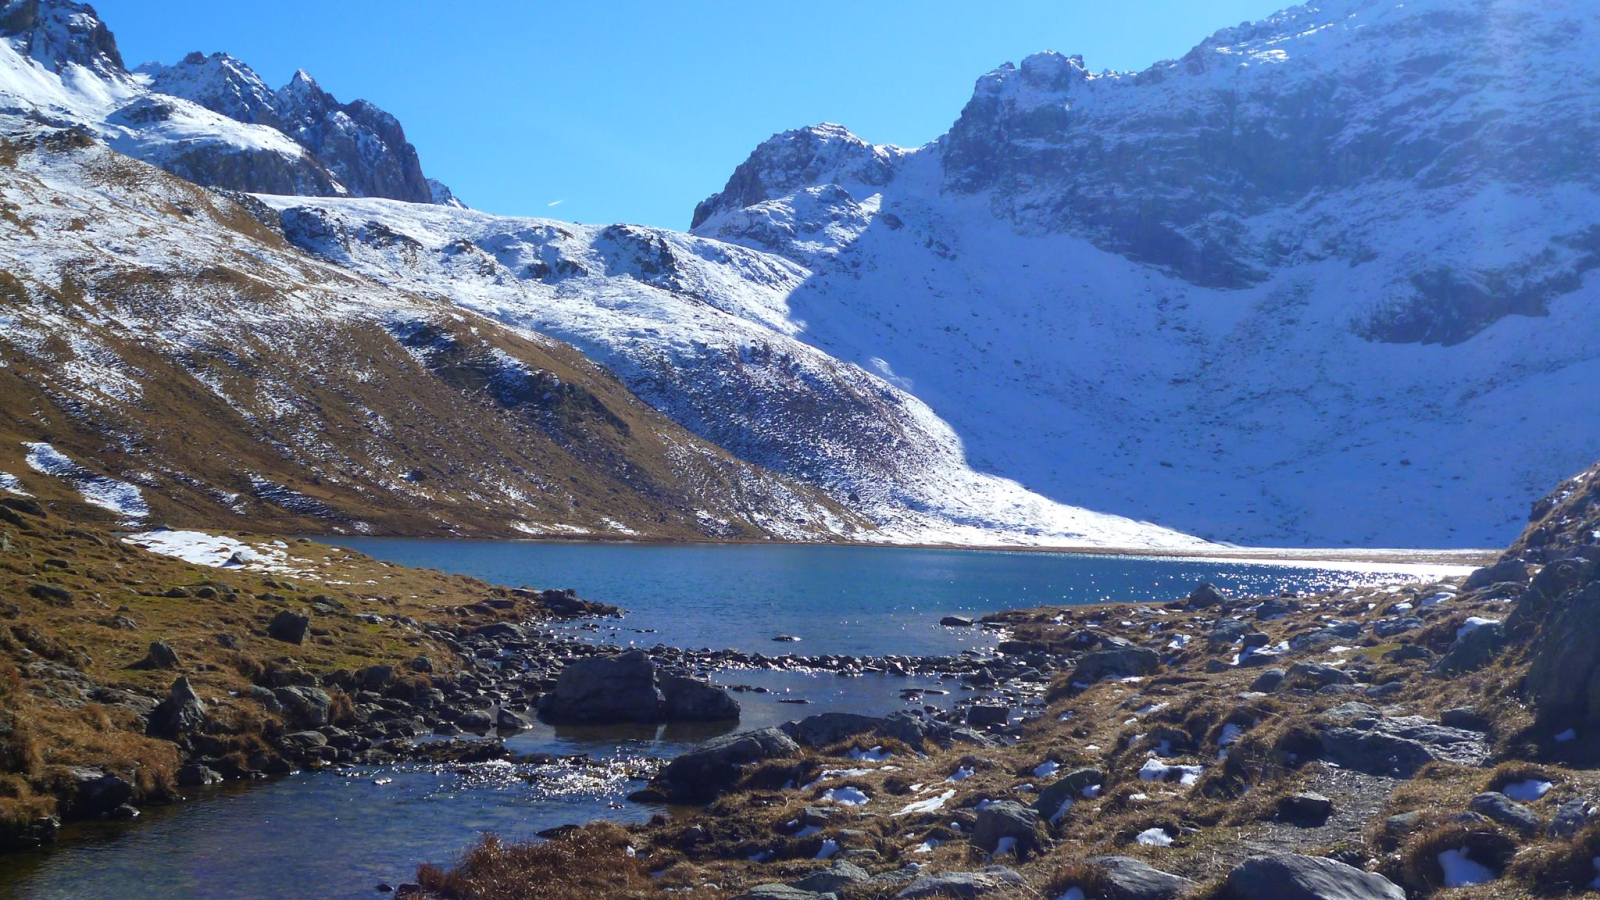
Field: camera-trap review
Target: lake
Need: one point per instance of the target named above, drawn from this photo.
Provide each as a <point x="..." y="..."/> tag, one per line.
<point x="337" y="835"/>
<point x="863" y="601"/>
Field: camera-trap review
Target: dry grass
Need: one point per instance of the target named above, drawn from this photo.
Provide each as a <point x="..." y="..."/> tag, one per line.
<point x="582" y="864"/>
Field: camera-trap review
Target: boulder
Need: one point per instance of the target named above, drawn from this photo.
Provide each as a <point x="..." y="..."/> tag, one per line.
<point x="824" y="729"/>
<point x="1315" y="675"/>
<point x="197" y="775"/>
<point x="1118" y="661"/>
<point x="1126" y="878"/>
<point x="96" y="793"/>
<point x="783" y="892"/>
<point x="1397" y="747"/>
<point x="1068" y="787"/>
<point x="833" y="879"/>
<point x="1288" y="876"/>
<point x="956" y="622"/>
<point x="1305" y="808"/>
<point x="1206" y="595"/>
<point x="1006" y="819"/>
<point x="985" y="715"/>
<point x="289" y="627"/>
<point x="182" y="713"/>
<point x="1227" y="631"/>
<point x="1508" y="812"/>
<point x="619" y="688"/>
<point x="962" y="885"/>
<point x="701" y="774"/>
<point x="1564" y="670"/>
<point x="159" y="656"/>
<point x="691" y="700"/>
<point x="1268" y="681"/>
<point x="1473" y="649"/>
<point x="304" y="707"/>
<point x="506" y="720"/>
<point x="1513" y="571"/>
<point x="478" y="721"/>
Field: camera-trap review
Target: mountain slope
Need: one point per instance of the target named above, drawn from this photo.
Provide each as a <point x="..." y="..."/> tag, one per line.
<point x="165" y="358"/>
<point x="1300" y="286"/>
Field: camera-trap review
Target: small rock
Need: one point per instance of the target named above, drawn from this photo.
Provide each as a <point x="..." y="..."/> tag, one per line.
<point x="289" y="627"/>
<point x="1305" y="808"/>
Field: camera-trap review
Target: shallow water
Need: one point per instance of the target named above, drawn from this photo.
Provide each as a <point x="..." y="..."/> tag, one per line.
<point x="337" y="835"/>
<point x="863" y="601"/>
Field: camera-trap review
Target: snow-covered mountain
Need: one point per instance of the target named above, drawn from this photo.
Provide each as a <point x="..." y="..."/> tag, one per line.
<point x="1326" y="279"/>
<point x="208" y="119"/>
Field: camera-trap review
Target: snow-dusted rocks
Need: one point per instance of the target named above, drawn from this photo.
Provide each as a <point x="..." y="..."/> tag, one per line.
<point x="1170" y="294"/>
<point x="209" y="119"/>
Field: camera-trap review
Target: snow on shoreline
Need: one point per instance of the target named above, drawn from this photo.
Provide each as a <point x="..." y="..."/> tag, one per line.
<point x="216" y="551"/>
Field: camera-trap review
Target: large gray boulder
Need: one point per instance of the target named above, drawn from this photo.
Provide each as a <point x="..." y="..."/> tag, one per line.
<point x="962" y="885"/>
<point x="1398" y="746"/>
<point x="701" y="774"/>
<point x="1006" y="819"/>
<point x="182" y="713"/>
<point x="1290" y="877"/>
<point x="1474" y="649"/>
<point x="629" y="688"/>
<point x="1508" y="812"/>
<point x="289" y="627"/>
<point x="691" y="700"/>
<point x="1126" y="878"/>
<point x="828" y="728"/>
<point x="1120" y="660"/>
<point x="1068" y="787"/>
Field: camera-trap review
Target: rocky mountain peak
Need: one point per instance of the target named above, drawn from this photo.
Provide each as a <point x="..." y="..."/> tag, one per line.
<point x="58" y="33"/>
<point x="218" y="82"/>
<point x="804" y="157"/>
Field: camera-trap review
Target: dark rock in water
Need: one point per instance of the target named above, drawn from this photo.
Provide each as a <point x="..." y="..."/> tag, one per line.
<point x="1068" y="787"/>
<point x="1206" y="595"/>
<point x="1126" y="878"/>
<point x="182" y="713"/>
<point x="568" y="605"/>
<point x="159" y="656"/>
<point x="1305" y="808"/>
<point x="985" y="715"/>
<point x="628" y="688"/>
<point x="956" y="622"/>
<point x="500" y="631"/>
<point x="785" y="639"/>
<point x="1291" y="877"/>
<point x="1006" y="819"/>
<point x="506" y="720"/>
<point x="289" y="627"/>
<point x="963" y="885"/>
<point x="691" y="700"/>
<point x="607" y="688"/>
<point x="1125" y="661"/>
<point x="1508" y="812"/>
<point x="701" y="774"/>
<point x="1474" y="649"/>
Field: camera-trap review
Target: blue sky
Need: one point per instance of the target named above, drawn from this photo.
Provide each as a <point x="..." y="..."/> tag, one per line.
<point x="635" y="111"/>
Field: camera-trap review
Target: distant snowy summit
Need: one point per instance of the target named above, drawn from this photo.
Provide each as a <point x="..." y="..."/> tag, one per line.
<point x="209" y="119"/>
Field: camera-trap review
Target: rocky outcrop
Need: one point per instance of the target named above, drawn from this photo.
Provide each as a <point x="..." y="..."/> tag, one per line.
<point x="701" y="774"/>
